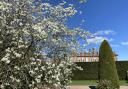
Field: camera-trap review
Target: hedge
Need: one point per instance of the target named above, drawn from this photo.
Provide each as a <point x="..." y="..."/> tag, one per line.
<point x="90" y="70"/>
<point x="107" y="67"/>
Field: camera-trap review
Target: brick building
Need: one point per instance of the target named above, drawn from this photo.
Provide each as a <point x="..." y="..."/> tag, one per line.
<point x="91" y="56"/>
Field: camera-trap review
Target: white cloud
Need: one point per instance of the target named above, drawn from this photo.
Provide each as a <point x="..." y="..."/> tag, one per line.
<point x="100" y="35"/>
<point x="125" y="43"/>
<point x="105" y="32"/>
<point x="98" y="39"/>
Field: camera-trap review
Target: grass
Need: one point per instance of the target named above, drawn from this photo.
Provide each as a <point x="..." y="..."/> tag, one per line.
<point x="83" y="82"/>
<point x="124" y="82"/>
<point x="94" y="82"/>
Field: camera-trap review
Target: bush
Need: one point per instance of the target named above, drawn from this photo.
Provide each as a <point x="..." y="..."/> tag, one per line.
<point x="107" y="67"/>
<point x="90" y="70"/>
<point x="104" y="84"/>
<point x="122" y="68"/>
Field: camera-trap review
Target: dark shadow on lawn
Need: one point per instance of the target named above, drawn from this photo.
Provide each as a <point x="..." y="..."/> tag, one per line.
<point x="92" y="87"/>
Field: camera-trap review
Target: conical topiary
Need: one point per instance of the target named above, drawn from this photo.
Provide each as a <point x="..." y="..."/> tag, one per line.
<point x="107" y="67"/>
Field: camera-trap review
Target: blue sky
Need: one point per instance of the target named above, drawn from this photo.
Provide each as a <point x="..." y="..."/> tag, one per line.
<point x="107" y="19"/>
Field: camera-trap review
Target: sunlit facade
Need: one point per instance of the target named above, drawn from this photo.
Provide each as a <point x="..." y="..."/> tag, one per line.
<point x="91" y="56"/>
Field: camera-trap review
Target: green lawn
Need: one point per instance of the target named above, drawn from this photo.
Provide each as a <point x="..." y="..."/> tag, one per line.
<point x="93" y="82"/>
<point x="123" y="82"/>
<point x="83" y="82"/>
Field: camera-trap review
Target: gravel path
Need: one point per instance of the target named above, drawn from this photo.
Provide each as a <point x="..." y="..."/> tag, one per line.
<point x="91" y="87"/>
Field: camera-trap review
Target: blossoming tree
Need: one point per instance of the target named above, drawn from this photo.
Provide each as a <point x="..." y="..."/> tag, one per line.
<point x="35" y="44"/>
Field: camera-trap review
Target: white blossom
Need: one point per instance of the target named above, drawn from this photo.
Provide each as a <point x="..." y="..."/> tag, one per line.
<point x="31" y="72"/>
<point x="34" y="39"/>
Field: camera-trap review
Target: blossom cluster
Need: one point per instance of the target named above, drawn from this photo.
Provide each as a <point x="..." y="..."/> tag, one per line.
<point x="35" y="44"/>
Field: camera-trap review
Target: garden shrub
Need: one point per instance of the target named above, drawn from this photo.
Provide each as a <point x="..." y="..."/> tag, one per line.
<point x="104" y="84"/>
<point x="90" y="69"/>
<point x="107" y="67"/>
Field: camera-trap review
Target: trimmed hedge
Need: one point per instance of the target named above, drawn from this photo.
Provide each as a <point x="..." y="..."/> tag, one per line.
<point x="107" y="67"/>
<point x="90" y="70"/>
<point x="122" y="68"/>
